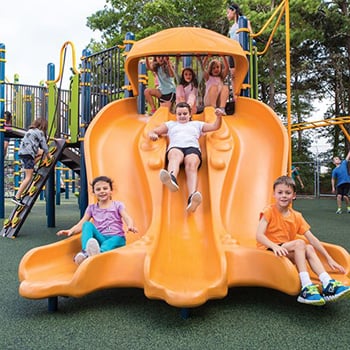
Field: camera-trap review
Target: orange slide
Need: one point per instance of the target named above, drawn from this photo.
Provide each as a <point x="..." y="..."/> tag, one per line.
<point x="184" y="259"/>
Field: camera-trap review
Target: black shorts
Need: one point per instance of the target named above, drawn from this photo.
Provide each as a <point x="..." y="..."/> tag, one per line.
<point x="168" y="97"/>
<point x="188" y="150"/>
<point x="343" y="189"/>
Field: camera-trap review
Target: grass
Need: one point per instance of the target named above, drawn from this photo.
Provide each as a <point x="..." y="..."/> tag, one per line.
<point x="248" y="318"/>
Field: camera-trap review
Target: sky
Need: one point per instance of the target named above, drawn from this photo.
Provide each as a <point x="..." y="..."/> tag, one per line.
<point x="34" y="32"/>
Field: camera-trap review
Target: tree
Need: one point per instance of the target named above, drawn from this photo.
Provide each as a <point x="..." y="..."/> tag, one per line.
<point x="146" y="17"/>
<point x="319" y="52"/>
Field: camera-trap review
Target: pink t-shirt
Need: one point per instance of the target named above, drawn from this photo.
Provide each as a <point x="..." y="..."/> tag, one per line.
<point x="189" y="94"/>
<point x="108" y="220"/>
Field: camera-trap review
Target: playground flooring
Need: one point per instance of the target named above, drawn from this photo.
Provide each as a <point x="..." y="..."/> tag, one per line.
<point x="248" y="318"/>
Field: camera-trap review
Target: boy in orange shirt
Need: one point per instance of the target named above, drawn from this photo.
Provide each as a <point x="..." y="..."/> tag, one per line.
<point x="278" y="228"/>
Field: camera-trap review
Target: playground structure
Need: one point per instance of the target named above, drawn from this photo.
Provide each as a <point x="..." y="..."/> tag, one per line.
<point x="184" y="259"/>
<point x="68" y="113"/>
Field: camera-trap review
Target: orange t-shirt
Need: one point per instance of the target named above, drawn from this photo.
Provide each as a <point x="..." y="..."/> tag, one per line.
<point x="281" y="229"/>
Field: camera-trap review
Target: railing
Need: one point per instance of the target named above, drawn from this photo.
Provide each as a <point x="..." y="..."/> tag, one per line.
<point x="101" y="80"/>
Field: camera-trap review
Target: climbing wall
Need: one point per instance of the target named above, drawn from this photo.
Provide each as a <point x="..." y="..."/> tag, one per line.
<point x="14" y="222"/>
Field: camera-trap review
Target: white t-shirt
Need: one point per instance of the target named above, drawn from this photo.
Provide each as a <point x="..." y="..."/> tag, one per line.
<point x="233" y="32"/>
<point x="184" y="134"/>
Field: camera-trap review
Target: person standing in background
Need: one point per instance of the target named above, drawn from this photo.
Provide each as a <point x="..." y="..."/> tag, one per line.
<point x="296" y="176"/>
<point x="340" y="175"/>
<point x="233" y="13"/>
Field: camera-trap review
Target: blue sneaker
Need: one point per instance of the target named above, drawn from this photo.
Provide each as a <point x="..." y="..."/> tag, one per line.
<point x="310" y="295"/>
<point x="335" y="290"/>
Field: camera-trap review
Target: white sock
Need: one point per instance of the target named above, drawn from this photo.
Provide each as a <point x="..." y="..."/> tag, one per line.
<point x="305" y="279"/>
<point x="324" y="278"/>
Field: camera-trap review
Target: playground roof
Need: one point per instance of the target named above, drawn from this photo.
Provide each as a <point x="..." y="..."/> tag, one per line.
<point x="186" y="41"/>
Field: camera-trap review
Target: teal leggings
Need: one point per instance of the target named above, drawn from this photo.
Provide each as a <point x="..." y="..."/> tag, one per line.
<point x="106" y="242"/>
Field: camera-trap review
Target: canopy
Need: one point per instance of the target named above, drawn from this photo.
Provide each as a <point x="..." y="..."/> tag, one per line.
<point x="182" y="41"/>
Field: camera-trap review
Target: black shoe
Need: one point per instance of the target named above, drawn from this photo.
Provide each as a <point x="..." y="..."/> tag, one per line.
<point x="193" y="201"/>
<point x="169" y="180"/>
<point x="17" y="201"/>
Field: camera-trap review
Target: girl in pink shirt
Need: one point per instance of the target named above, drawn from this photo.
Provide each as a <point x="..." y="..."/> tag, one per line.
<point x="216" y="92"/>
<point x="187" y="90"/>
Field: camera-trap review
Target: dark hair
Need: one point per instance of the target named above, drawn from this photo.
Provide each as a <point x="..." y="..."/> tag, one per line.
<point x="39" y="123"/>
<point x="155" y="66"/>
<point x="183" y="105"/>
<point x="285" y="180"/>
<point x="193" y="82"/>
<point x="8" y="117"/>
<point x="235" y="7"/>
<point x="102" y="178"/>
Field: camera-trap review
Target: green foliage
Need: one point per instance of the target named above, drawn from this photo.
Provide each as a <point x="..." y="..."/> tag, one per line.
<point x="147" y="17"/>
<point x="319" y="50"/>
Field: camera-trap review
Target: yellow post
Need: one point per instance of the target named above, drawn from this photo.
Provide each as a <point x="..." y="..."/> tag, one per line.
<point x="288" y="88"/>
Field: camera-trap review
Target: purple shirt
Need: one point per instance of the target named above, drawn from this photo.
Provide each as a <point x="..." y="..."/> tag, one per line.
<point x="108" y="220"/>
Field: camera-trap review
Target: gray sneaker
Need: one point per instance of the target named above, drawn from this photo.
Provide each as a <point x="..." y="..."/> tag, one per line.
<point x="169" y="180"/>
<point x="80" y="257"/>
<point x="92" y="247"/>
<point x="194" y="200"/>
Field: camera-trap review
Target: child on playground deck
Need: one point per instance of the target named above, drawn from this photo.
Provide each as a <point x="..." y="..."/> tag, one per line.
<point x="106" y="233"/>
<point x="165" y="92"/>
<point x="278" y="226"/>
<point x="32" y="146"/>
<point x="216" y="92"/>
<point x="184" y="149"/>
<point x="187" y="90"/>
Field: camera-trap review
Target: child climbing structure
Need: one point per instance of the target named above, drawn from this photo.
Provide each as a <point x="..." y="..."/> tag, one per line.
<point x="18" y="215"/>
<point x="184" y="259"/>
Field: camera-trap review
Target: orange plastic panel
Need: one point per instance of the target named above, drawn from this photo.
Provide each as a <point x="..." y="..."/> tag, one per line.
<point x="184" y="259"/>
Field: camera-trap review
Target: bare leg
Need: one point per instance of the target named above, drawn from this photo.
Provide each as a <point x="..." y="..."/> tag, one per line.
<point x="25" y="182"/>
<point x="297" y="253"/>
<point x="6" y="145"/>
<point x="166" y="104"/>
<point x="149" y="93"/>
<point x="339" y="200"/>
<point x="191" y="169"/>
<point x="300" y="252"/>
<point x="223" y="96"/>
<point x="175" y="158"/>
<point x="314" y="260"/>
<point x="212" y="96"/>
